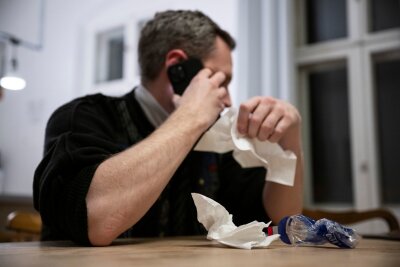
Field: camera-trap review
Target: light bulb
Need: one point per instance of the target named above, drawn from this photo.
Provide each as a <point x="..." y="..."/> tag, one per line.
<point x="12" y="82"/>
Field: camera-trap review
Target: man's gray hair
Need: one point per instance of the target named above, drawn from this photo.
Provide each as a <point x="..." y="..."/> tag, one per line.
<point x="191" y="31"/>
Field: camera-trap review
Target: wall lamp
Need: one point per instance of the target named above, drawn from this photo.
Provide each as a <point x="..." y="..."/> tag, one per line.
<point x="12" y="80"/>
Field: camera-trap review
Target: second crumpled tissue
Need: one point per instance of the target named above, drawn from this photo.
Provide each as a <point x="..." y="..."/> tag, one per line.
<point x="223" y="137"/>
<point x="218" y="222"/>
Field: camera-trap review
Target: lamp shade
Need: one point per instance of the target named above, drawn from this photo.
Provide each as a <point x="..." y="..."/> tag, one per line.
<point x="12" y="82"/>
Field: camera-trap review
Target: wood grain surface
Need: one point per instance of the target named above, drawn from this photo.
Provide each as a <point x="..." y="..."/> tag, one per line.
<point x="196" y="251"/>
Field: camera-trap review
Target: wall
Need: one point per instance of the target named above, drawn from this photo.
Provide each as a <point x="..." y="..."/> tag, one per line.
<point x="54" y="74"/>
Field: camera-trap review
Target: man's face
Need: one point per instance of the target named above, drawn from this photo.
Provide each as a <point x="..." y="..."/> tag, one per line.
<point x="220" y="59"/>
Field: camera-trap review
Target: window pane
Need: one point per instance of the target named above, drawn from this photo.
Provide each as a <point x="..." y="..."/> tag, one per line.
<point x="110" y="55"/>
<point x="385" y="14"/>
<point x="330" y="139"/>
<point x="326" y="20"/>
<point x="115" y="58"/>
<point x="2" y="58"/>
<point x="387" y="81"/>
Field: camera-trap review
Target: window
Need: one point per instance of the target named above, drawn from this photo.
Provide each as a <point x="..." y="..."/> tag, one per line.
<point x="110" y="64"/>
<point x="348" y="68"/>
<point x="320" y="15"/>
<point x="110" y="55"/>
<point x="330" y="135"/>
<point x="387" y="89"/>
<point x="384" y="14"/>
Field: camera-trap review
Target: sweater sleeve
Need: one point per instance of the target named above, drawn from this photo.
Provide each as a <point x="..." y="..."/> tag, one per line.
<point x="241" y="191"/>
<point x="78" y="138"/>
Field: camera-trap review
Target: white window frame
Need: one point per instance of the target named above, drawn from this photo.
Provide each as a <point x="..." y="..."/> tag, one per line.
<point x="357" y="49"/>
<point x="115" y="16"/>
<point x="102" y="52"/>
<point x="92" y="30"/>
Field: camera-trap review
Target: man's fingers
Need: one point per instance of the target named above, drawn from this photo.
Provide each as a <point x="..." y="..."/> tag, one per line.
<point x="270" y="123"/>
<point x="222" y="93"/>
<point x="279" y="130"/>
<point x="244" y="114"/>
<point x="204" y="73"/>
<point x="218" y="78"/>
<point x="266" y="118"/>
<point x="256" y="119"/>
<point x="176" y="99"/>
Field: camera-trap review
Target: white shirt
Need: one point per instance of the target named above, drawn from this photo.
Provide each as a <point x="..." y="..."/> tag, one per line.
<point x="154" y="112"/>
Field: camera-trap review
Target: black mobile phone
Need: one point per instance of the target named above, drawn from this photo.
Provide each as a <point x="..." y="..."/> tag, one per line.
<point x="182" y="73"/>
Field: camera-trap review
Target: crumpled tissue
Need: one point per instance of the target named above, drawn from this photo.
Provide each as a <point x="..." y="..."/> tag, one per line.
<point x="223" y="137"/>
<point x="218" y="223"/>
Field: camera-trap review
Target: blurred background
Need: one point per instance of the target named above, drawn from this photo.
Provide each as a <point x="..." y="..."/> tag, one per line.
<point x="337" y="61"/>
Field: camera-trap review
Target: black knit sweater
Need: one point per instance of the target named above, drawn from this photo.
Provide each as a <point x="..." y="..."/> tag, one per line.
<point x="88" y="130"/>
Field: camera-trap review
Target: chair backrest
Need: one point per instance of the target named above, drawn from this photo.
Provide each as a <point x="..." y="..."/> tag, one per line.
<point x="350" y="217"/>
<point x="27" y="225"/>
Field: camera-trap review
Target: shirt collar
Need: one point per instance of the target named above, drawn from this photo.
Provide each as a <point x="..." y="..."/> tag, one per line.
<point x="151" y="108"/>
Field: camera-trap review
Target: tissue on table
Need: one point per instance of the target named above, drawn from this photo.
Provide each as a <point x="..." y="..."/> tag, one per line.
<point x="218" y="223"/>
<point x="223" y="137"/>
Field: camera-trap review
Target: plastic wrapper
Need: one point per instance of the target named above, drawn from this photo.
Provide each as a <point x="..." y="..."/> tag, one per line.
<point x="302" y="230"/>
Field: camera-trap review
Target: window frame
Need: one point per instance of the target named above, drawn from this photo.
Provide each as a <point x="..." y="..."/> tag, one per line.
<point x="92" y="31"/>
<point x="114" y="17"/>
<point x="358" y="49"/>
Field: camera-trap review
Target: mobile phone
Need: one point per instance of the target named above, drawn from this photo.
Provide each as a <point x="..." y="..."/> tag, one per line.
<point x="182" y="73"/>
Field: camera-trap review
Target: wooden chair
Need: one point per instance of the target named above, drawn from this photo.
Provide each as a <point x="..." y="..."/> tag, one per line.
<point x="350" y="217"/>
<point x="26" y="226"/>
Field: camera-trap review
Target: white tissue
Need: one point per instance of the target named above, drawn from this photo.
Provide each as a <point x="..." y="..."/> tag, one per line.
<point x="220" y="227"/>
<point x="223" y="137"/>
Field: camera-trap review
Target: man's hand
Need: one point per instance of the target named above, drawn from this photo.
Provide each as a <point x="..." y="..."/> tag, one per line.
<point x="267" y="118"/>
<point x="205" y="97"/>
<point x="271" y="119"/>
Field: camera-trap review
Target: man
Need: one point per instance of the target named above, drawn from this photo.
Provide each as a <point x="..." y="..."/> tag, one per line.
<point x="125" y="167"/>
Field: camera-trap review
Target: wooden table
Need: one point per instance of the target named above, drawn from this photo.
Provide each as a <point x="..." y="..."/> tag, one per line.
<point x="196" y="251"/>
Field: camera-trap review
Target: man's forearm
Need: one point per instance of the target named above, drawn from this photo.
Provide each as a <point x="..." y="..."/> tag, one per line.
<point x="126" y="185"/>
<point x="280" y="200"/>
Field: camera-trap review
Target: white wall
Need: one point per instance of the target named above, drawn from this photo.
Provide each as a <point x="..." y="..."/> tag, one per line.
<point x="54" y="74"/>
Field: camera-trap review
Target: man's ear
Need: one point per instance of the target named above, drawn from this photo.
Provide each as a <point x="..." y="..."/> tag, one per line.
<point x="175" y="56"/>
